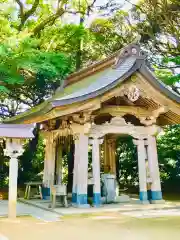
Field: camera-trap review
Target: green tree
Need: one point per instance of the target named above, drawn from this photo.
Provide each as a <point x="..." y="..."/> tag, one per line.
<point x="126" y="163"/>
<point x="169" y="74"/>
<point x="157" y="21"/>
<point x="169" y="158"/>
<point x="31" y="163"/>
<point x="112" y="33"/>
<point x="29" y="75"/>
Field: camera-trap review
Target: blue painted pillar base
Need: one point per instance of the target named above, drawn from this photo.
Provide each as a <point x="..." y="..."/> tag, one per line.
<point x="156" y="197"/>
<point x="74" y="197"/>
<point x="96" y="199"/>
<point x="81" y="201"/>
<point x="143" y="195"/>
<point x="46" y="193"/>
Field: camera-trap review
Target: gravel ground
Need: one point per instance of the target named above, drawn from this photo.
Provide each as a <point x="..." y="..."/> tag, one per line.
<point x="92" y="226"/>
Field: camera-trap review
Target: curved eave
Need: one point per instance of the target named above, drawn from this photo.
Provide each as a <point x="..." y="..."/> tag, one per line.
<point x="30" y="114"/>
<point x="160" y="86"/>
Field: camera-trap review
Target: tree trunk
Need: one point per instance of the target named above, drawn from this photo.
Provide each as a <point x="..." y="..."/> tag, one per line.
<point x="79" y="47"/>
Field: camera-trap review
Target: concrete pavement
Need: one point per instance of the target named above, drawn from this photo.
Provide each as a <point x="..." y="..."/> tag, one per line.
<point x="25" y="209"/>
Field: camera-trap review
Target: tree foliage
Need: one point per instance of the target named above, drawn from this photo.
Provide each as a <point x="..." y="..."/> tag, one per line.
<point x="29" y="75"/>
<point x="158" y="25"/>
<point x="126" y="161"/>
<point x="169" y="157"/>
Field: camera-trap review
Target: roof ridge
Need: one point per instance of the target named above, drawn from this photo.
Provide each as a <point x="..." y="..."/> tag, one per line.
<point x="98" y="62"/>
<point x="112" y="60"/>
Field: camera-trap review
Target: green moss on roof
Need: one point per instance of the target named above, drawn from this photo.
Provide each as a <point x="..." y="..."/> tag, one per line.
<point x="29" y="112"/>
<point x="79" y="85"/>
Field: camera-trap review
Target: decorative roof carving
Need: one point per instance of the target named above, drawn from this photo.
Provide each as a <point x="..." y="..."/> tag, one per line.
<point x="117" y="121"/>
<point x="82" y="118"/>
<point x="149" y="120"/>
<point x="132" y="93"/>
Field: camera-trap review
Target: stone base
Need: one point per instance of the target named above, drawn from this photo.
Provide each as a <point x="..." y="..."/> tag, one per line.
<point x="97" y="206"/>
<point x="162" y="201"/>
<point x="109" y="187"/>
<point x="122" y="198"/>
<point x="144" y="202"/>
<point x="81" y="205"/>
<point x="103" y="200"/>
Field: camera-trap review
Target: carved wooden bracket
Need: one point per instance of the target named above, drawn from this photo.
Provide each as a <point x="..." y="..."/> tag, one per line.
<point x="111" y="142"/>
<point x="82" y="118"/>
<point x="117" y="121"/>
<point x="149" y="120"/>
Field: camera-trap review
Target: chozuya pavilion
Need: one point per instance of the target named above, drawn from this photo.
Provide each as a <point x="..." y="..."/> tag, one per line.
<point x="116" y="96"/>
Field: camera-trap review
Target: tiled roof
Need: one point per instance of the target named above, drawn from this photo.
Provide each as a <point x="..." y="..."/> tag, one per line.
<point x="101" y="84"/>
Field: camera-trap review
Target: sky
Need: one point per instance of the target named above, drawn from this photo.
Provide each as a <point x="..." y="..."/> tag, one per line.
<point x="125" y="6"/>
<point x="75" y="19"/>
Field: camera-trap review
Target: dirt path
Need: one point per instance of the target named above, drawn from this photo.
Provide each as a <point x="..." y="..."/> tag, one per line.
<point x="105" y="227"/>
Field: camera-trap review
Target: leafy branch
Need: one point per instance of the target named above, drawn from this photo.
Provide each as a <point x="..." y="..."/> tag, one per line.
<point x="25" y="15"/>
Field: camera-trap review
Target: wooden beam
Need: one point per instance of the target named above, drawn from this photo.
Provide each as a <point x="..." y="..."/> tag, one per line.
<point x="123" y="110"/>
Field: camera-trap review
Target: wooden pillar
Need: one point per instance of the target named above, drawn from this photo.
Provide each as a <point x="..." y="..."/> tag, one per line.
<point x="49" y="164"/>
<point x="109" y="176"/>
<point x="50" y="160"/>
<point x="112" y="155"/>
<point x="142" y="169"/>
<point x="96" y="171"/>
<point x="156" y="193"/>
<point x="75" y="170"/>
<point x="106" y="155"/>
<point x="82" y="169"/>
<point x="80" y="180"/>
<point x="109" y="155"/>
<point x="45" y="175"/>
<point x="59" y="174"/>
